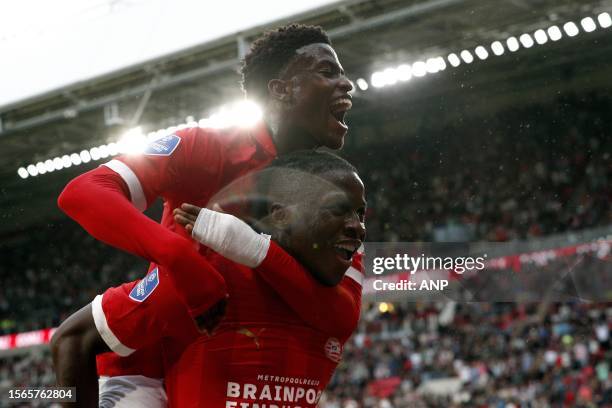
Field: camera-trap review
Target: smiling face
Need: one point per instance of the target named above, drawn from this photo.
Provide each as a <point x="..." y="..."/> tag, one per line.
<point x="316" y="93"/>
<point x="324" y="230"/>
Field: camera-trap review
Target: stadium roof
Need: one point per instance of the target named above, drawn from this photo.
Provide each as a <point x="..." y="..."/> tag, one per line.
<point x="112" y="34"/>
<point x="369" y="35"/>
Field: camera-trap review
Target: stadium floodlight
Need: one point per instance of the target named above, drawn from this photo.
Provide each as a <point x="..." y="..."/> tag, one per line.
<point x="49" y="166"/>
<point x="481" y="52"/>
<point x="377" y="80"/>
<point x="554" y="33"/>
<point x="454" y="60"/>
<point x="513" y="44"/>
<point x="32" y="170"/>
<point x="103" y="151"/>
<point x="404" y="72"/>
<point x="497" y="48"/>
<point x="203" y="123"/>
<point x="362" y="84"/>
<point x="604" y="20"/>
<point x="58" y="163"/>
<point x="390" y="76"/>
<point x="85" y="156"/>
<point x="94" y="152"/>
<point x="432" y="66"/>
<point x="419" y="69"/>
<point x="467" y="57"/>
<point x="540" y="37"/>
<point x="75" y="159"/>
<point x="40" y="166"/>
<point x="588" y="24"/>
<point x="113" y="149"/>
<point x="441" y="63"/>
<point x="220" y="119"/>
<point x="131" y="142"/>
<point x="66" y="162"/>
<point x="244" y="113"/>
<point x="526" y="40"/>
<point x="571" y="29"/>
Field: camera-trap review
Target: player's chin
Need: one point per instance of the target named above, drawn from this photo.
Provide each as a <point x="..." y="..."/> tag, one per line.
<point x="335" y="269"/>
<point x="335" y="135"/>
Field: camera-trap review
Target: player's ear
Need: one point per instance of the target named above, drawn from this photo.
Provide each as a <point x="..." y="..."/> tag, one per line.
<point x="280" y="215"/>
<point x="280" y="90"/>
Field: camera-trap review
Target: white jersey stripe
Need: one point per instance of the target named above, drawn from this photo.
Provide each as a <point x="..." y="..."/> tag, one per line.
<point x="355" y="275"/>
<point x="136" y="193"/>
<point x="105" y="332"/>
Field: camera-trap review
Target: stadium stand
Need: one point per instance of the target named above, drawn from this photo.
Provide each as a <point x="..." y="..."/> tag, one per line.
<point x="491" y="354"/>
<point x="525" y="172"/>
<point x="462" y="355"/>
<point x="488" y="353"/>
<point x="516" y="150"/>
<point x="465" y="185"/>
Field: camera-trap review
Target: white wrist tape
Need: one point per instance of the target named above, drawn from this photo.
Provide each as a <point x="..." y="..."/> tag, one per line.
<point x="231" y="237"/>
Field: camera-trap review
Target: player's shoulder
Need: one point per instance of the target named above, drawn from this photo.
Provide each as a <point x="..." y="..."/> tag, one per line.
<point x="209" y="132"/>
<point x="206" y="136"/>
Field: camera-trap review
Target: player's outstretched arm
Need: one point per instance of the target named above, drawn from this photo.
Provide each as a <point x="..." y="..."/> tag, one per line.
<point x="312" y="301"/>
<point x="99" y="201"/>
<point x="334" y="310"/>
<point x="74" y="347"/>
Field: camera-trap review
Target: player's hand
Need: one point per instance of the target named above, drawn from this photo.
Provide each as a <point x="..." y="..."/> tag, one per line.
<point x="186" y="215"/>
<point x="208" y="321"/>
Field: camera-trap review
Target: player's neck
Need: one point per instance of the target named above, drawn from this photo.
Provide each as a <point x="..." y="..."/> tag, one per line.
<point x="288" y="138"/>
<point x="292" y="140"/>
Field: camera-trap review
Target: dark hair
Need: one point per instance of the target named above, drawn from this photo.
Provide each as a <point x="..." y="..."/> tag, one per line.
<point x="295" y="176"/>
<point x="314" y="162"/>
<point x="271" y="53"/>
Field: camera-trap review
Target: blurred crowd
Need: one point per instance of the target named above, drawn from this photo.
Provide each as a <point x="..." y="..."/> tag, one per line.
<point x="525" y="172"/>
<point x="451" y="355"/>
<point x="520" y="174"/>
<point x="477" y="355"/>
<point x="59" y="270"/>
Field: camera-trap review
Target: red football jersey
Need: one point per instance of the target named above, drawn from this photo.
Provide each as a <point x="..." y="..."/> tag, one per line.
<point x="263" y="353"/>
<point x="189" y="166"/>
<point x="135" y="317"/>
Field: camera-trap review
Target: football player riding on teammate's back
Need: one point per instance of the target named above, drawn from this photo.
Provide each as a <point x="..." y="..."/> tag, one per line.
<point x="295" y="74"/>
<point x="314" y="209"/>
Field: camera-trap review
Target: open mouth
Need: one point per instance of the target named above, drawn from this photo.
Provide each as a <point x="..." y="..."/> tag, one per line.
<point x="339" y="108"/>
<point x="346" y="250"/>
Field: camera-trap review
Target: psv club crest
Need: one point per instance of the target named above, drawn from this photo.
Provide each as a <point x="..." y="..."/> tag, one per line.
<point x="333" y="349"/>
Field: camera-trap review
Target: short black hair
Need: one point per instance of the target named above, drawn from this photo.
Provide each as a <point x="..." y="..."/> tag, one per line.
<point x="295" y="176"/>
<point x="271" y="53"/>
<point x="314" y="162"/>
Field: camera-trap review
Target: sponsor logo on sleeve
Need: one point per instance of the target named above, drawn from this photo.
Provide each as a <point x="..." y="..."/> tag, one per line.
<point x="163" y="146"/>
<point x="145" y="287"/>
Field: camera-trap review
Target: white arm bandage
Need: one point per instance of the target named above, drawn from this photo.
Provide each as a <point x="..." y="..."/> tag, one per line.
<point x="231" y="237"/>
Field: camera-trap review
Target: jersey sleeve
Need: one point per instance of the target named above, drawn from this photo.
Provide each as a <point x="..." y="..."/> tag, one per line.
<point x="99" y="201"/>
<point x="172" y="166"/>
<point x="138" y="314"/>
<point x="334" y="310"/>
